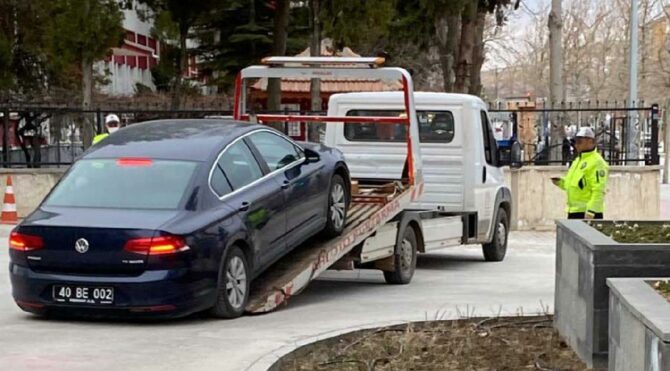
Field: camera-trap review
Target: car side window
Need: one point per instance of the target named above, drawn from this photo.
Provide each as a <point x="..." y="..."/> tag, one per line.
<point x="275" y="150"/>
<point x="239" y="166"/>
<point x="219" y="182"/>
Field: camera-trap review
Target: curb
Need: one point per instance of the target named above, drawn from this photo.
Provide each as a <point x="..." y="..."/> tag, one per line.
<point x="264" y="363"/>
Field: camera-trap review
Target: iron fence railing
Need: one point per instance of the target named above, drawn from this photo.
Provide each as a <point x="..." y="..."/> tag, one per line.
<point x="531" y="126"/>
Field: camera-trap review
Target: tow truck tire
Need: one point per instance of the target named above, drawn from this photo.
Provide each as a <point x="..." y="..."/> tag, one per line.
<point x="405" y="260"/>
<point x="495" y="250"/>
<point x="233" y="285"/>
<point x="338" y="200"/>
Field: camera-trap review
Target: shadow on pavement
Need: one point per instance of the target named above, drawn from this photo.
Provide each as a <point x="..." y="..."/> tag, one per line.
<point x="443" y="262"/>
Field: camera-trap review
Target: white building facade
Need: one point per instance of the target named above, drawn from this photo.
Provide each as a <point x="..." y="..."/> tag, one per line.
<point x="131" y="63"/>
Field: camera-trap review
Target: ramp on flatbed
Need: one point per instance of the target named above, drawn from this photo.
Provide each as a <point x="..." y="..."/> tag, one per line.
<point x="371" y="208"/>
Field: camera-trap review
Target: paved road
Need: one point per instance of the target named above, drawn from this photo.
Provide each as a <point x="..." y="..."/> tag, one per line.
<point x="447" y="284"/>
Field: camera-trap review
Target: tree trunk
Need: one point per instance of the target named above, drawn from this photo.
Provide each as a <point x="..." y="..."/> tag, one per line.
<point x="478" y="56"/>
<point x="468" y="30"/>
<point x="315" y="84"/>
<point x="175" y="103"/>
<point x="556" y="76"/>
<point x="279" y="48"/>
<point x="447" y="28"/>
<point x="666" y="142"/>
<point x="86" y="125"/>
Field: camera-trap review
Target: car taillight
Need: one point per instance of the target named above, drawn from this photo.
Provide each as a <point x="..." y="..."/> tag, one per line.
<point x="25" y="242"/>
<point x="159" y="245"/>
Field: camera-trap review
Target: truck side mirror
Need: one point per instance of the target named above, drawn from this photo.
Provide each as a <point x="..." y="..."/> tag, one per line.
<point x="509" y="154"/>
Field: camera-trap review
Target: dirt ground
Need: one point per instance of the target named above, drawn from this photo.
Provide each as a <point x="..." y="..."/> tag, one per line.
<point x="662" y="287"/>
<point x="519" y="343"/>
<point x="635" y="232"/>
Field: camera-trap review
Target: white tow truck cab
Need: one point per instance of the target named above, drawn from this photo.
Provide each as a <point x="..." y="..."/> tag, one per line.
<point x="424" y="175"/>
<point x="465" y="199"/>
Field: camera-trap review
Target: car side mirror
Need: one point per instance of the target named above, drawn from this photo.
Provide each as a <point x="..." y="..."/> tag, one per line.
<point x="311" y="155"/>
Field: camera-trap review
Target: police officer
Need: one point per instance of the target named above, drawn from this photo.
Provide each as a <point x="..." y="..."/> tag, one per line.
<point x="112" y="123"/>
<point x="586" y="181"/>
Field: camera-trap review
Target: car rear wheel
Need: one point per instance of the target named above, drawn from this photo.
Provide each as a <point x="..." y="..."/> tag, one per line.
<point x="338" y="200"/>
<point x="233" y="285"/>
<point x="495" y="250"/>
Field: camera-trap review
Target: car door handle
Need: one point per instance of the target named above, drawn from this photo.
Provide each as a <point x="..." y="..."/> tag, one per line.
<point x="245" y="206"/>
<point x="484" y="175"/>
<point x="285" y="184"/>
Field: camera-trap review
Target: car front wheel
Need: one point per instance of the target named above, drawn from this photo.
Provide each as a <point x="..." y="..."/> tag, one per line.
<point x="338" y="200"/>
<point x="233" y="285"/>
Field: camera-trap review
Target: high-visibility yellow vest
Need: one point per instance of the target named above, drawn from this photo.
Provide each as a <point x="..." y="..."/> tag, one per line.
<point x="586" y="183"/>
<point x="100" y="137"/>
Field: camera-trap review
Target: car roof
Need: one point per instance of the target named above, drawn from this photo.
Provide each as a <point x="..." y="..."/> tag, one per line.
<point x="420" y="97"/>
<point x="182" y="139"/>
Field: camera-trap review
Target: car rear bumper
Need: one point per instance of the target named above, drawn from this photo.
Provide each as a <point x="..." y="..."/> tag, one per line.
<point x="156" y="293"/>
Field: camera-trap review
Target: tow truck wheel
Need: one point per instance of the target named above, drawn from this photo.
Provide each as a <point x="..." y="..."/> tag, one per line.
<point x="405" y="260"/>
<point x="233" y="285"/>
<point x="495" y="250"/>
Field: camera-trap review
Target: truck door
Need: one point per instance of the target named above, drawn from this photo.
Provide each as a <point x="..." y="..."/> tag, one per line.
<point x="487" y="178"/>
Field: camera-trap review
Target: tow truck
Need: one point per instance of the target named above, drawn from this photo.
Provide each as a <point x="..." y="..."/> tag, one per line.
<point x="389" y="220"/>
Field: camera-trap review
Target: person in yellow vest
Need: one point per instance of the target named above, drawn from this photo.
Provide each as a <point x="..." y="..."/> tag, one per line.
<point x="112" y="123"/>
<point x="586" y="181"/>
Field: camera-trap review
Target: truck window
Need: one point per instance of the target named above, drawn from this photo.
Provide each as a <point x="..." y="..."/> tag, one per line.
<point x="434" y="127"/>
<point x="490" y="147"/>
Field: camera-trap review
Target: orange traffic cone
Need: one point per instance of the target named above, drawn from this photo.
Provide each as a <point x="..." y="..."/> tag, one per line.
<point x="9" y="205"/>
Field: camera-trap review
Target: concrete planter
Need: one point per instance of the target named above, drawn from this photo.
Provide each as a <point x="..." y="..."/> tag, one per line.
<point x="639" y="326"/>
<point x="585" y="258"/>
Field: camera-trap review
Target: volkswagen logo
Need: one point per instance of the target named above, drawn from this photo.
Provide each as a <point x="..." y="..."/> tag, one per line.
<point x="81" y="245"/>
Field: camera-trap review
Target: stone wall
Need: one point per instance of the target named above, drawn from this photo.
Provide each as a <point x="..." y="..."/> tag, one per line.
<point x="585" y="259"/>
<point x="639" y="326"/>
<point x="30" y="186"/>
<point x="633" y="194"/>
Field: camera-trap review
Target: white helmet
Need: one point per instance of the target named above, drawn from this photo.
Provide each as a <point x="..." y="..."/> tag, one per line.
<point x="112" y="123"/>
<point x="111" y="118"/>
<point x="586" y="132"/>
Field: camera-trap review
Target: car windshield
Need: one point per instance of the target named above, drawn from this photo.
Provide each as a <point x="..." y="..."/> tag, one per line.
<point x="126" y="183"/>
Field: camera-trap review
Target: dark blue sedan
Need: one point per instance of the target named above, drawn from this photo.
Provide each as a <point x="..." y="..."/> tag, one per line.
<point x="174" y="217"/>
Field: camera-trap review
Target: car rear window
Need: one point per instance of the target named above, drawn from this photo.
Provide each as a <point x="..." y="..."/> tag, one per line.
<point x="124" y="183"/>
<point x="434" y="127"/>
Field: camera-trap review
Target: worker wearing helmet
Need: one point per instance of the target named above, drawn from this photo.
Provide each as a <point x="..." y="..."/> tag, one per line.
<point x="112" y="123"/>
<point x="586" y="181"/>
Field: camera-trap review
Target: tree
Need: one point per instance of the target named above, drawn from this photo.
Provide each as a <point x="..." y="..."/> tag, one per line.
<point x="80" y="33"/>
<point x="175" y="20"/>
<point x="466" y="46"/>
<point x="556" y="75"/>
<point x="280" y="37"/>
<point x="23" y="61"/>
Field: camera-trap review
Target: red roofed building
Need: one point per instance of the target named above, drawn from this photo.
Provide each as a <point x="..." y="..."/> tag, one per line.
<point x="296" y="92"/>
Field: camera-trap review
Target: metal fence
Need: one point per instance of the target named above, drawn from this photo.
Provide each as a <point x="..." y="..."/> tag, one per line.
<point x="530" y="125"/>
<point x="48" y="136"/>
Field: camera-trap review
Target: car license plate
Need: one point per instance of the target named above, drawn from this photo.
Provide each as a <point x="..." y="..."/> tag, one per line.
<point x="83" y="294"/>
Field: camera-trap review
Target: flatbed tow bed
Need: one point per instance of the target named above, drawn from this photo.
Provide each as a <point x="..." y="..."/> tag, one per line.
<point x="371" y="207"/>
<point x="290" y="275"/>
